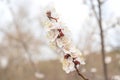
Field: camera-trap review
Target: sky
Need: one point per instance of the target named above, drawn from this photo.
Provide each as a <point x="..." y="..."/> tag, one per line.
<point x="73" y="12"/>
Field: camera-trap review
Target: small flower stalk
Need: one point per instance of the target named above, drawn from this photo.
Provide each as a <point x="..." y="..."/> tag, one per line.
<point x="59" y="39"/>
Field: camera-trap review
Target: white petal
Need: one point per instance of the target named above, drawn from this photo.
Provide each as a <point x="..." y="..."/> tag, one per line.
<point x="52" y="35"/>
<point x="59" y="43"/>
<point x="71" y="66"/>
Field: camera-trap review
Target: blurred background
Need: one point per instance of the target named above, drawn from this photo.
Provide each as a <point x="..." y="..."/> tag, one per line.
<point x="24" y="50"/>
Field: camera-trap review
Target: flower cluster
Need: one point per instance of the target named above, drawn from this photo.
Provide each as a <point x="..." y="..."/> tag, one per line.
<point x="59" y="38"/>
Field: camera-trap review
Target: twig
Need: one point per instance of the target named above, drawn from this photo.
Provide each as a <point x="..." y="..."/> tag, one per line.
<point x="68" y="55"/>
<point x="80" y="73"/>
<point x="50" y="17"/>
<point x="75" y="65"/>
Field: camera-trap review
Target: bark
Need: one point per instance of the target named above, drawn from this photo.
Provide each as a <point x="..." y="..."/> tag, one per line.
<point x="102" y="41"/>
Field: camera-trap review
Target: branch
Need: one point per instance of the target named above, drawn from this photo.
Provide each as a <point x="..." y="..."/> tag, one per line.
<point x="113" y="26"/>
<point x="24" y="45"/>
<point x="103" y="2"/>
<point x="75" y="66"/>
<point x="10" y="36"/>
<point x="80" y="73"/>
<point x="64" y="42"/>
<point x="94" y="11"/>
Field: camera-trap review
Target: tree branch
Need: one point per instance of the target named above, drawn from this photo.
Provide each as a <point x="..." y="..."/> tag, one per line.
<point x="94" y="11"/>
<point x="80" y="73"/>
<point x="75" y="66"/>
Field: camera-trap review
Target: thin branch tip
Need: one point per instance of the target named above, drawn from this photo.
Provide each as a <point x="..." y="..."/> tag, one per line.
<point x="80" y="73"/>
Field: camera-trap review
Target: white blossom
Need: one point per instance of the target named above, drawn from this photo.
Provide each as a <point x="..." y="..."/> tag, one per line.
<point x="60" y="38"/>
<point x="63" y="42"/>
<point x="52" y="35"/>
<point x="68" y="65"/>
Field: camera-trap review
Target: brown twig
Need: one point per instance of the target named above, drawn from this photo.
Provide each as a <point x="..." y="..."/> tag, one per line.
<point x="80" y="73"/>
<point x="75" y="65"/>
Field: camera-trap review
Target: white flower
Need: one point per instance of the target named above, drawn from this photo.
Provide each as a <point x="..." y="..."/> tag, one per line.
<point x="67" y="48"/>
<point x="52" y="35"/>
<point x="60" y="38"/>
<point x="57" y="25"/>
<point x="81" y="60"/>
<point x="70" y="62"/>
<point x="63" y="41"/>
<point x="44" y="19"/>
<point x="53" y="45"/>
<point x="68" y="65"/>
<point x="47" y="25"/>
<point x="78" y="56"/>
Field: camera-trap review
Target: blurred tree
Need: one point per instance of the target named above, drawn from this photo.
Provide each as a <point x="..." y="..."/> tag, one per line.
<point x="19" y="43"/>
<point x="96" y="11"/>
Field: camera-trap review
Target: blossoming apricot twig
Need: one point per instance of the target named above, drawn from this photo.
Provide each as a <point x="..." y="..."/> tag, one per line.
<point x="57" y="33"/>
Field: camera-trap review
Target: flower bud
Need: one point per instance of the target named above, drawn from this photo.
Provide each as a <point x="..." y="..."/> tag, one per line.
<point x="67" y="56"/>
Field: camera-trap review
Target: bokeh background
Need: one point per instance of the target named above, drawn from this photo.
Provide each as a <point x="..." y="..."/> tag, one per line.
<point x="24" y="50"/>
